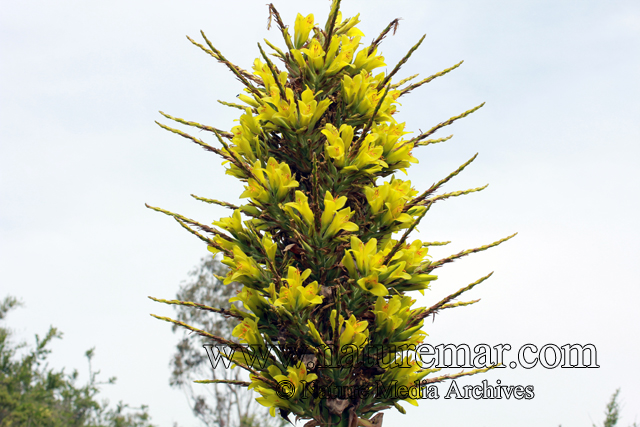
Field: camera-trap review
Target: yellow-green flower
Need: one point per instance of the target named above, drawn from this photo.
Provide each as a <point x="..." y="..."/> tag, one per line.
<point x="248" y="100"/>
<point x="315" y="334"/>
<point x="243" y="269"/>
<point x="315" y="54"/>
<point x="233" y="224"/>
<point x="294" y="296"/>
<point x="334" y="220"/>
<point x="271" y="184"/>
<point x="368" y="62"/>
<point x="388" y="201"/>
<point x="371" y="284"/>
<point x="331" y="206"/>
<point x="419" y="282"/>
<point x="362" y="254"/>
<point x="247" y="332"/>
<point x="355" y="332"/>
<point x="269" y="246"/>
<point x="348" y="25"/>
<point x="368" y="158"/>
<point x="252" y="300"/>
<point x="310" y="109"/>
<point x="280" y="179"/>
<point x="361" y="95"/>
<point x="301" y="29"/>
<point x="269" y="397"/>
<point x="338" y="142"/>
<point x="406" y="371"/>
<point x="302" y="206"/>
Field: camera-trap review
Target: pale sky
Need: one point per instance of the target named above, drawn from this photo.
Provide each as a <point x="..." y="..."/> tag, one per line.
<point x="81" y="83"/>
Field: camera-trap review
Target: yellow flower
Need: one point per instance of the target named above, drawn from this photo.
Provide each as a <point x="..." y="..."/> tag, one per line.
<point x="341" y="222"/>
<point x="389" y="135"/>
<point x="247" y="332"/>
<point x="354" y="332"/>
<point x="262" y="70"/>
<point x="400" y="156"/>
<point x="419" y="282"/>
<point x="287" y="112"/>
<point x="353" y="90"/>
<point x="338" y="143"/>
<point x="385" y="311"/>
<point x="280" y="179"/>
<point x="255" y="192"/>
<point x="302" y="206"/>
<point x="224" y="243"/>
<point x="388" y="201"/>
<point x="269" y="246"/>
<point x="271" y="184"/>
<point x="348" y="25"/>
<point x="310" y="109"/>
<point x="243" y="269"/>
<point x="297" y="55"/>
<point x="331" y="206"/>
<point x="371" y="284"/>
<point x="368" y="158"/>
<point x="362" y="253"/>
<point x="368" y="62"/>
<point x="412" y="254"/>
<point x="315" y="54"/>
<point x="396" y="152"/>
<point x="252" y="300"/>
<point x="294" y="296"/>
<point x="315" y="334"/>
<point x="406" y="372"/>
<point x="255" y="188"/>
<point x="271" y="400"/>
<point x="334" y="220"/>
<point x="301" y="29"/>
<point x="233" y="224"/>
<point x="389" y="273"/>
<point x="336" y="61"/>
<point x="246" y="142"/>
<point x="248" y="100"/>
<point x="361" y="96"/>
<point x="297" y="376"/>
<point x="364" y="264"/>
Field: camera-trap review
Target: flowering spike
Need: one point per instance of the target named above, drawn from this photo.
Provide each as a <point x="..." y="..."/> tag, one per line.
<point x="215" y="202"/>
<point x="440" y="183"/>
<point x="273" y="13"/>
<point x="428" y="79"/>
<point x="331" y="22"/>
<point x="393" y="25"/>
<point x="446" y="123"/>
<point x="402" y="62"/>
<point x="198" y="125"/>
<point x="240" y="74"/>
<point x="323" y="273"/>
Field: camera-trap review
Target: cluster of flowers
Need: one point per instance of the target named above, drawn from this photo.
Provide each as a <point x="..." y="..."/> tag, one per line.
<point x="314" y="246"/>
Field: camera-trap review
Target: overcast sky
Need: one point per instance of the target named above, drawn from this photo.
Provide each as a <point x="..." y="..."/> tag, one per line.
<point x="559" y="137"/>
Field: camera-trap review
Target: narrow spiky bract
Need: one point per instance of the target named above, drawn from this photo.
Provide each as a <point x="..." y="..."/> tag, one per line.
<point x="322" y="245"/>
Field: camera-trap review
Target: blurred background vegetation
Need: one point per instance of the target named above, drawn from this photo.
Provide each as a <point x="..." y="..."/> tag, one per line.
<point x="33" y="394"/>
